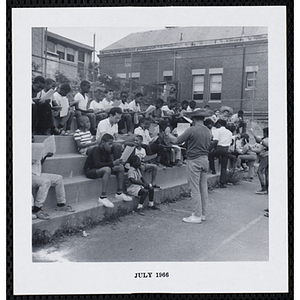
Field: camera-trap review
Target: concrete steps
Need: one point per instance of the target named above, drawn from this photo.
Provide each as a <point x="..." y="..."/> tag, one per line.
<point x="82" y="193"/>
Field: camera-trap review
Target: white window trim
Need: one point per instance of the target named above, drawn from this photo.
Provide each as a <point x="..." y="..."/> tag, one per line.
<point x="251" y="69"/>
<point x="168" y="73"/>
<point x="134" y="75"/>
<point x="216" y="71"/>
<point x="198" y="71"/>
<point x="121" y="75"/>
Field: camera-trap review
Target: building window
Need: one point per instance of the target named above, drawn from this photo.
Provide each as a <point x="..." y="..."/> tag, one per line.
<point x="70" y="57"/>
<point x="251" y="73"/>
<point x="215" y="86"/>
<point x="127" y="62"/>
<point x="198" y="87"/>
<point x="121" y="75"/>
<point x="135" y="76"/>
<point x="70" y="54"/>
<point x="60" y="50"/>
<point x="61" y="55"/>
<point x="80" y="56"/>
<point x="168" y="76"/>
<point x="50" y="47"/>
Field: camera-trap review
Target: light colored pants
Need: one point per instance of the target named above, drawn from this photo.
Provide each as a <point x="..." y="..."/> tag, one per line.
<point x="43" y="183"/>
<point x="251" y="160"/>
<point x="197" y="179"/>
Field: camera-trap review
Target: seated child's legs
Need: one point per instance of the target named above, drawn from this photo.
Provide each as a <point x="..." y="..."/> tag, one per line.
<point x="143" y="193"/>
<point x="119" y="172"/>
<point x="57" y="182"/>
<point x="43" y="184"/>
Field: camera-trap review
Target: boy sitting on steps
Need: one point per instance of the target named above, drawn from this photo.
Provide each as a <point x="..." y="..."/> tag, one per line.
<point x="43" y="181"/>
<point x="99" y="164"/>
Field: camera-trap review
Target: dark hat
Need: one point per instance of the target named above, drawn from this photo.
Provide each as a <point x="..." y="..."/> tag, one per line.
<point x="198" y="112"/>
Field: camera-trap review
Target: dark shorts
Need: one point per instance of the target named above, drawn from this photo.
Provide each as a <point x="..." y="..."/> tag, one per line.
<point x="264" y="162"/>
<point x="91" y="173"/>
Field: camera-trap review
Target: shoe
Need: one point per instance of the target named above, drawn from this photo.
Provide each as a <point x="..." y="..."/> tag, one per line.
<point x="140" y="211"/>
<point x="213" y="172"/>
<point x="267" y="210"/>
<point x="192" y="219"/>
<point x="156" y="186"/>
<point x="34" y="217"/>
<point x="154" y="207"/>
<point x="203" y="218"/>
<point x="123" y="197"/>
<point x="42" y="215"/>
<point x="261" y="192"/>
<point x="66" y="208"/>
<point x="68" y="132"/>
<point x="105" y="202"/>
<point x="222" y="186"/>
<point x="62" y="132"/>
<point x="55" y="131"/>
<point x="266" y="214"/>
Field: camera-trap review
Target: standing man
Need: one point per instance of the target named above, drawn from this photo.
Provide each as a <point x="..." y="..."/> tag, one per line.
<point x="81" y="104"/>
<point x="223" y="139"/>
<point x="198" y="138"/>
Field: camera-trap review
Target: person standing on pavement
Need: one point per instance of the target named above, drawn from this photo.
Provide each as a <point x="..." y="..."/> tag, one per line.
<point x="198" y="138"/>
<point x="223" y="138"/>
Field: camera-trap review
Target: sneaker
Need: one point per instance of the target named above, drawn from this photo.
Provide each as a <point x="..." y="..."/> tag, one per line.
<point x="34" y="217"/>
<point x="105" y="202"/>
<point x="203" y="218"/>
<point x="154" y="207"/>
<point x="261" y="192"/>
<point x="222" y="186"/>
<point x="155" y="186"/>
<point x="140" y="211"/>
<point x="213" y="172"/>
<point x="192" y="219"/>
<point x="42" y="215"/>
<point x="67" y="208"/>
<point x="55" y="131"/>
<point x="123" y="197"/>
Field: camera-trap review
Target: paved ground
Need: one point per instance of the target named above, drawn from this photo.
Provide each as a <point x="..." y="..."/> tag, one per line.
<point x="235" y="230"/>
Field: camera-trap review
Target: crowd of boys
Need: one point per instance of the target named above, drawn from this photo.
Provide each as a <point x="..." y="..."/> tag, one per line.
<point x="103" y="123"/>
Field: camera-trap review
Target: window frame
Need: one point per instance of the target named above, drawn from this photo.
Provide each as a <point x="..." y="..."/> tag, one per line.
<point x="196" y="94"/>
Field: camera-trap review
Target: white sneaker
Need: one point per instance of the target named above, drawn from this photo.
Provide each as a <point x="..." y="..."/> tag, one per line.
<point x="203" y="218"/>
<point x="192" y="219"/>
<point x="105" y="202"/>
<point x="123" y="197"/>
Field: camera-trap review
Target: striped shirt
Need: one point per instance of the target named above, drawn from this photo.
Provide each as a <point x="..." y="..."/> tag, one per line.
<point x="84" y="137"/>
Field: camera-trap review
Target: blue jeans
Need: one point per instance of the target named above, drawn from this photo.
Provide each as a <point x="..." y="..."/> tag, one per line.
<point x="197" y="179"/>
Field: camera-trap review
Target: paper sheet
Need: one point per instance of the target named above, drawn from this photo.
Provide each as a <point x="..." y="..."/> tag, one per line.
<point x="153" y="129"/>
<point x="182" y="127"/>
<point x="37" y="151"/>
<point x="48" y="95"/>
<point x="126" y="153"/>
<point x="150" y="109"/>
<point x="188" y="119"/>
<point x="49" y="145"/>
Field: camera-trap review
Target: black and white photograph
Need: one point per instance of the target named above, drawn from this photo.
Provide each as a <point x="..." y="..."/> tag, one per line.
<point x="147" y="141"/>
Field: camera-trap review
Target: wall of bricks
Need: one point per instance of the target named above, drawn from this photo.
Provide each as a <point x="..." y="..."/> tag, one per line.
<point x="229" y="57"/>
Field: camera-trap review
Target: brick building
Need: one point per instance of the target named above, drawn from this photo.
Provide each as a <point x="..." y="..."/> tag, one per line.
<point x="211" y="65"/>
<point x="52" y="53"/>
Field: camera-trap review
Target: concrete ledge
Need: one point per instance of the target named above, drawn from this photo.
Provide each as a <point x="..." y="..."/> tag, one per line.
<point x="90" y="211"/>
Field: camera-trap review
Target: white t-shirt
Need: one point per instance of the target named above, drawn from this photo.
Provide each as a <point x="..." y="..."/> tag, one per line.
<point x="82" y="101"/>
<point x="124" y="106"/>
<point x="134" y="107"/>
<point x="144" y="133"/>
<point x="224" y="136"/>
<point x="96" y="105"/>
<point x="61" y="101"/>
<point x="106" y="104"/>
<point x="167" y="111"/>
<point x="140" y="153"/>
<point x="105" y="126"/>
